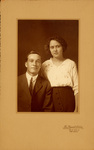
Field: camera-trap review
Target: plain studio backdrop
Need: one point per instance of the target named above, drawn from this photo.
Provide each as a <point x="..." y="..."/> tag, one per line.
<point x="33" y="35"/>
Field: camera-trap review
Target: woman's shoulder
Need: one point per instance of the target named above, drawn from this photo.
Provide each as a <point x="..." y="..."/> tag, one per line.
<point x="46" y="63"/>
<point x="70" y="61"/>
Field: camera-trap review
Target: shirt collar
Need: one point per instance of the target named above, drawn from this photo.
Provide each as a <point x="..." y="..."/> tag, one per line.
<point x="28" y="76"/>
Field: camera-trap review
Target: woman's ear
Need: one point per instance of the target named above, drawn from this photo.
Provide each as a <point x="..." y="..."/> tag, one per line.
<point x="26" y="64"/>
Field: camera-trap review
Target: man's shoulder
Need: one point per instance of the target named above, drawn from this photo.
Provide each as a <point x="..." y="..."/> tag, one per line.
<point x="21" y="77"/>
<point x="43" y="79"/>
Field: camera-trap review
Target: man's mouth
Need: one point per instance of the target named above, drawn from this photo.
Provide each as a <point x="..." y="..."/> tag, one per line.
<point x="33" y="67"/>
<point x="56" y="53"/>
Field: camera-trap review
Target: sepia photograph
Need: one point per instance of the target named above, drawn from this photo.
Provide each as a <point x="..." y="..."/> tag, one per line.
<point x="47" y="75"/>
<point x="48" y="55"/>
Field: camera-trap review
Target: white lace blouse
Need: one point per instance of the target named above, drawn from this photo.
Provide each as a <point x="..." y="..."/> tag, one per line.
<point x="63" y="75"/>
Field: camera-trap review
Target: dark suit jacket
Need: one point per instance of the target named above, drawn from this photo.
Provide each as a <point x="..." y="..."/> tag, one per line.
<point x="41" y="98"/>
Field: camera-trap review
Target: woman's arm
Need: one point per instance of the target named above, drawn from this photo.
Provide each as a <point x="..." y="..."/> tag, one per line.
<point x="75" y="85"/>
<point x="76" y="103"/>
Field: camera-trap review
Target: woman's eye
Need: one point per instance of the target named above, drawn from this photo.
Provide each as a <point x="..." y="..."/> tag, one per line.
<point x="58" y="46"/>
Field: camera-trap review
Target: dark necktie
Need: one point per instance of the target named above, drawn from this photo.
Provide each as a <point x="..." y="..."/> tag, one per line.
<point x="31" y="87"/>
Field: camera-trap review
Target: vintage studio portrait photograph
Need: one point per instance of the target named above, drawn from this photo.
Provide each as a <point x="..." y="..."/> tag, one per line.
<point x="47" y="76"/>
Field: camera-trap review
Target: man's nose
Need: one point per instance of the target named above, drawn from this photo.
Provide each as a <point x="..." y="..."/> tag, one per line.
<point x="34" y="62"/>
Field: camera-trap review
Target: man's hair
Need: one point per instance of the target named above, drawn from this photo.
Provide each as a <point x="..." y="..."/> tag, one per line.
<point x="32" y="52"/>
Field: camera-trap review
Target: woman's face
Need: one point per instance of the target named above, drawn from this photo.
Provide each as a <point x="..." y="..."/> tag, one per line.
<point x="56" y="49"/>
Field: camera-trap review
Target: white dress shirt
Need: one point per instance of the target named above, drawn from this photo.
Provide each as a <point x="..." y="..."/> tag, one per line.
<point x="63" y="75"/>
<point x="28" y="76"/>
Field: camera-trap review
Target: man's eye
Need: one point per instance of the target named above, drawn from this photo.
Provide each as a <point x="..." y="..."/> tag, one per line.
<point x="51" y="47"/>
<point x="31" y="60"/>
<point x="38" y="61"/>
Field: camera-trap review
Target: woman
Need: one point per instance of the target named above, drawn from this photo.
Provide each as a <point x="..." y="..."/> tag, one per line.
<point x="62" y="74"/>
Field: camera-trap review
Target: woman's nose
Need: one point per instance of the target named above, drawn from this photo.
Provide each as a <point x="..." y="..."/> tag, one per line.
<point x="55" y="48"/>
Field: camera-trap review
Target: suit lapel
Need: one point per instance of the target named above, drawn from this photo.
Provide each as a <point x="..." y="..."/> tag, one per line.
<point x="26" y="89"/>
<point x="38" y="85"/>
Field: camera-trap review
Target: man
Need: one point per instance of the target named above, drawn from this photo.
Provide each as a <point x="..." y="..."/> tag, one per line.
<point x="34" y="92"/>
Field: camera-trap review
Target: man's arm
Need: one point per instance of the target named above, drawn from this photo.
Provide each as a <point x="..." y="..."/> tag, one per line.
<point x="48" y="103"/>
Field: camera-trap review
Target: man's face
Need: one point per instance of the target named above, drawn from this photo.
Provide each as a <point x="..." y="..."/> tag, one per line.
<point x="33" y="64"/>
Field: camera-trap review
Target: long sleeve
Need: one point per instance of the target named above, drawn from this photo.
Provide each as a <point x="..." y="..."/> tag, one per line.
<point x="48" y="103"/>
<point x="75" y="79"/>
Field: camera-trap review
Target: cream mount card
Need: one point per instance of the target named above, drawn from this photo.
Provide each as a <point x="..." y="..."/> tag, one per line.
<point x="46" y="131"/>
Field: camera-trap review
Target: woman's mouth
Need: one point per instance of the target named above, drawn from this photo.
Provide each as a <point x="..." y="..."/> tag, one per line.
<point x="55" y="53"/>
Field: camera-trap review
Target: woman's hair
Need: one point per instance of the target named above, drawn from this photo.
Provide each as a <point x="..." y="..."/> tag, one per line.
<point x="58" y="39"/>
<point x="32" y="52"/>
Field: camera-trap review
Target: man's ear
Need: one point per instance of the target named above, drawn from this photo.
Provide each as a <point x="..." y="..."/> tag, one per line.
<point x="26" y="64"/>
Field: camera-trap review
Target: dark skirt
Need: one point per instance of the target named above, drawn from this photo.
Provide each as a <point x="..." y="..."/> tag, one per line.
<point x="63" y="99"/>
